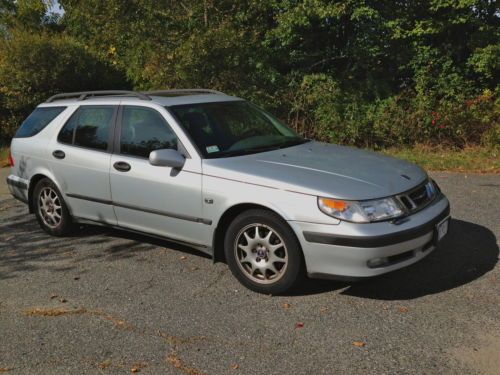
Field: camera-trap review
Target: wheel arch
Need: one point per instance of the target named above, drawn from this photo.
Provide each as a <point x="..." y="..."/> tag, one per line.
<point x="32" y="184"/>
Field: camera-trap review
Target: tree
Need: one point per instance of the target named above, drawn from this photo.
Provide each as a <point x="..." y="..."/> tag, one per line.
<point x="364" y="72"/>
<point x="35" y="66"/>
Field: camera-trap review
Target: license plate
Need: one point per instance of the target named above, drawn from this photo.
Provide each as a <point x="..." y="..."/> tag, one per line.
<point x="442" y="228"/>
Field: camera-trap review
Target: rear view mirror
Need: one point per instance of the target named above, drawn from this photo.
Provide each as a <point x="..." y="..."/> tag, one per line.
<point x="167" y="158"/>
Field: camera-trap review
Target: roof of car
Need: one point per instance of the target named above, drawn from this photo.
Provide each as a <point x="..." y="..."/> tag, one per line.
<point x="162" y="97"/>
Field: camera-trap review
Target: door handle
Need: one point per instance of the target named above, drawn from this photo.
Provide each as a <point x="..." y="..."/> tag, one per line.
<point x="122" y="166"/>
<point x="58" y="154"/>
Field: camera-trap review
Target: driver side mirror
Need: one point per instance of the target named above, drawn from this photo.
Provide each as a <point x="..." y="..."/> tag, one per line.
<point x="167" y="158"/>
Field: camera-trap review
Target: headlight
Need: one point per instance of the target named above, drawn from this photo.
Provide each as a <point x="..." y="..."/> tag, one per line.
<point x="433" y="186"/>
<point x="360" y="211"/>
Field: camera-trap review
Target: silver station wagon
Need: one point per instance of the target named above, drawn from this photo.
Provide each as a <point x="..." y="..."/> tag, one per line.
<point x="221" y="175"/>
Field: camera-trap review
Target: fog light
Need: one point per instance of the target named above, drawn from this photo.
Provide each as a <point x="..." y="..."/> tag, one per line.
<point x="377" y="262"/>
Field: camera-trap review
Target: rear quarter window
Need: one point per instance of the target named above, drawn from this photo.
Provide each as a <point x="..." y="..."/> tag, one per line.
<point x="37" y="121"/>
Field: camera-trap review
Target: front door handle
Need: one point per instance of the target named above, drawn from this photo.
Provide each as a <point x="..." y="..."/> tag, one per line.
<point x="58" y="154"/>
<point x="122" y="166"/>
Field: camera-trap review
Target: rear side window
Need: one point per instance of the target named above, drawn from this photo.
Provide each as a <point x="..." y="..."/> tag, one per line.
<point x="88" y="127"/>
<point x="38" y="120"/>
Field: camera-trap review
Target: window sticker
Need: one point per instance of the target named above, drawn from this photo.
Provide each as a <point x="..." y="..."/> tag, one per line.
<point x="213" y="148"/>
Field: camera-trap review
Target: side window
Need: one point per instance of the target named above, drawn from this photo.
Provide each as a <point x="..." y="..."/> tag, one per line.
<point x="68" y="130"/>
<point x="144" y="130"/>
<point x="88" y="127"/>
<point x="37" y="121"/>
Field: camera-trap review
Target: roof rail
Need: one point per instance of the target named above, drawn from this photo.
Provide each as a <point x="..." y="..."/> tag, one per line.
<point x="85" y="94"/>
<point x="182" y="91"/>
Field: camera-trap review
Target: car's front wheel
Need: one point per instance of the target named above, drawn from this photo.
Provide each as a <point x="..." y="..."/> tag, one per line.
<point x="263" y="252"/>
<point x="50" y="209"/>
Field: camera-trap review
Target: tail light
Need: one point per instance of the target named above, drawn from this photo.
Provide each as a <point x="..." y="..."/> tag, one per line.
<point x="11" y="160"/>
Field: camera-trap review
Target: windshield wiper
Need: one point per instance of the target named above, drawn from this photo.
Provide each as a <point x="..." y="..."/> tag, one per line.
<point x="293" y="142"/>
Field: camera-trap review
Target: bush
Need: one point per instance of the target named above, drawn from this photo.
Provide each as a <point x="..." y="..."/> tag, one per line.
<point x="409" y="120"/>
<point x="34" y="67"/>
<point x="320" y="109"/>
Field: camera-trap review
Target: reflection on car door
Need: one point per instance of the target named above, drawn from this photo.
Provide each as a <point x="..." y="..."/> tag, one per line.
<point x="80" y="158"/>
<point x="158" y="200"/>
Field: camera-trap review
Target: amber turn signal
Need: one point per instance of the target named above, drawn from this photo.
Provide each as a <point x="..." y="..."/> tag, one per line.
<point x="334" y="204"/>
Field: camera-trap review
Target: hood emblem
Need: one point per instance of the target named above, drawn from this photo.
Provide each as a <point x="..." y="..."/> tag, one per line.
<point x="405" y="176"/>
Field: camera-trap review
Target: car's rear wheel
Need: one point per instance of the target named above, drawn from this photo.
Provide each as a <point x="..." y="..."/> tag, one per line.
<point x="263" y="252"/>
<point x="50" y="209"/>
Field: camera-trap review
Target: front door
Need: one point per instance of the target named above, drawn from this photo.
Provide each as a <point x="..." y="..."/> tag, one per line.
<point x="152" y="199"/>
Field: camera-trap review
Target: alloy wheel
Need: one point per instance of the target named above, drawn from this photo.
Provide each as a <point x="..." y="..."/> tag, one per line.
<point x="261" y="253"/>
<point x="49" y="207"/>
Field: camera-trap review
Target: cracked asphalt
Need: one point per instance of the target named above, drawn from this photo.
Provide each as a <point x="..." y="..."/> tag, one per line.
<point x="109" y="302"/>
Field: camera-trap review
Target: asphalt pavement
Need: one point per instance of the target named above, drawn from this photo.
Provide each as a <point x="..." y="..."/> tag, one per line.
<point x="106" y="301"/>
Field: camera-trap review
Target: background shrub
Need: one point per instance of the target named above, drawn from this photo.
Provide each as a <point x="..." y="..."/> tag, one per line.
<point x="367" y="73"/>
<point x="33" y="67"/>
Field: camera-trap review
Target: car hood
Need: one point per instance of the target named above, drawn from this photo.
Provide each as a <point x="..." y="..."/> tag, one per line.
<point x="321" y="169"/>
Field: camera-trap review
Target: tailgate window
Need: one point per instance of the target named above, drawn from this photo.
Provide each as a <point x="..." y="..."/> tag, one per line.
<point x="37" y="121"/>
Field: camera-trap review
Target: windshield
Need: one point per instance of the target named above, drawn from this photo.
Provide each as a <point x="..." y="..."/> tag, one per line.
<point x="233" y="128"/>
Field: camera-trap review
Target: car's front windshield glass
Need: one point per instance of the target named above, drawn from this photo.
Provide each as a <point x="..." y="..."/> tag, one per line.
<point x="233" y="128"/>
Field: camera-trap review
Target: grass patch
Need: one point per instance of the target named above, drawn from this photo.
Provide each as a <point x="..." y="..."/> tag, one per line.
<point x="471" y="159"/>
<point x="4" y="156"/>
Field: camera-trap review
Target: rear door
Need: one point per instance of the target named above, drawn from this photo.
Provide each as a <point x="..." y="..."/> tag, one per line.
<point x="158" y="200"/>
<point x="80" y="161"/>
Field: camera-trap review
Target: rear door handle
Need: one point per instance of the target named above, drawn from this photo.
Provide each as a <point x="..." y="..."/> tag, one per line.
<point x="122" y="166"/>
<point x="58" y="154"/>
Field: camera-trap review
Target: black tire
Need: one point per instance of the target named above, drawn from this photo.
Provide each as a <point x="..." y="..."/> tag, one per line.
<point x="59" y="227"/>
<point x="289" y="273"/>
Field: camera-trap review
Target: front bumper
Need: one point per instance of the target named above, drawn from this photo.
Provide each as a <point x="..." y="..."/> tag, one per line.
<point x="350" y="250"/>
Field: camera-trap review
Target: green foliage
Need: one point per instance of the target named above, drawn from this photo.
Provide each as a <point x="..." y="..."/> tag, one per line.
<point x="411" y="119"/>
<point x="486" y="61"/>
<point x="35" y="66"/>
<point x="363" y="72"/>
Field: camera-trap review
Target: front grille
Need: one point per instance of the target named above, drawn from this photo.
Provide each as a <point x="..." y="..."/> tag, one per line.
<point x="419" y="197"/>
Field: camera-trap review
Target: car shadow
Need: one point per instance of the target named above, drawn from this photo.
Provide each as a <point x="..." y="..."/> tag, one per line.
<point x="144" y="239"/>
<point x="24" y="247"/>
<point x="468" y="252"/>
